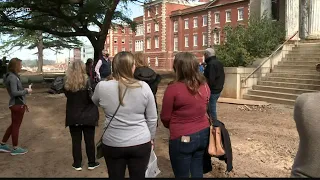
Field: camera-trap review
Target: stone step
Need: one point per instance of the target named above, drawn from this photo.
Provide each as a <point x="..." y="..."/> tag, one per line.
<point x="289" y="85"/>
<point x="302" y="55"/>
<point x="269" y="99"/>
<point x="300" y="71"/>
<point x="297" y="67"/>
<point x="281" y="89"/>
<point x="294" y="75"/>
<point x="293" y="80"/>
<point x="299" y="63"/>
<point x="295" y="59"/>
<point x="273" y="94"/>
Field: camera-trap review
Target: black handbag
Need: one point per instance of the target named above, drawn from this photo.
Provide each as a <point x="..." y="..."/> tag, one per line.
<point x="99" y="144"/>
<point x="89" y="88"/>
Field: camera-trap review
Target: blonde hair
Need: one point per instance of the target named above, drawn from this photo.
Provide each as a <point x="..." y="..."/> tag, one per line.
<point x="14" y="65"/>
<point x="122" y="67"/>
<point x="140" y="60"/>
<point x="76" y="77"/>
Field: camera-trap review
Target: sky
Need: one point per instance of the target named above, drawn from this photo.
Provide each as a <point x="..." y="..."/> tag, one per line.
<point x="25" y="54"/>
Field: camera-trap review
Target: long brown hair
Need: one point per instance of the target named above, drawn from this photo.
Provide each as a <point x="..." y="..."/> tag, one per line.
<point x="186" y="67"/>
<point x="122" y="66"/>
<point x="14" y="65"/>
<point x="76" y="77"/>
<point x="140" y="60"/>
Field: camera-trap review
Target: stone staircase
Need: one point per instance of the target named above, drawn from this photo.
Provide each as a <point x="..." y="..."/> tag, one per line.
<point x="294" y="75"/>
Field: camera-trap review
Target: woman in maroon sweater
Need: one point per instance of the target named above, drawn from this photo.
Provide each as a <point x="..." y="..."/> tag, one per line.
<point x="184" y="111"/>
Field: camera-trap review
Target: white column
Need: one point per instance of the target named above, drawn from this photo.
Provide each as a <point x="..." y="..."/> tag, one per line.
<point x="292" y="18"/>
<point x="314" y="21"/>
<point x="304" y="15"/>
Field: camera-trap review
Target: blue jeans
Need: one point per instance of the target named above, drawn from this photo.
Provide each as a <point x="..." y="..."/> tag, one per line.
<point x="187" y="158"/>
<point x="213" y="105"/>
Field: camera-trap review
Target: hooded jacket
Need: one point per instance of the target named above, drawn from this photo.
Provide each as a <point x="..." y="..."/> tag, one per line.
<point x="214" y="72"/>
<point x="148" y="75"/>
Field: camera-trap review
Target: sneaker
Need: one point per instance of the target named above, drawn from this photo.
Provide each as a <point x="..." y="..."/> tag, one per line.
<point x="77" y="168"/>
<point x="5" y="148"/>
<point x="18" y="151"/>
<point x="93" y="166"/>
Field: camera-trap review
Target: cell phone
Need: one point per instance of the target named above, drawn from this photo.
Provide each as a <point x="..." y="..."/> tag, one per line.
<point x="185" y="139"/>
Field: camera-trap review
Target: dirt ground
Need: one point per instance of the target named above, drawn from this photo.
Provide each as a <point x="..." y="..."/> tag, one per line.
<point x="264" y="141"/>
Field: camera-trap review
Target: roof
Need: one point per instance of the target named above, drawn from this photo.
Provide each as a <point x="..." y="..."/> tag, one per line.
<point x="138" y="19"/>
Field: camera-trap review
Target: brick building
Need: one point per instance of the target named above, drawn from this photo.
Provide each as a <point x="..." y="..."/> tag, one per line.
<point x="171" y="26"/>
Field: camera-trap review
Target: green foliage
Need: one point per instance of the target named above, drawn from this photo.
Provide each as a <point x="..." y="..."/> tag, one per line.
<point x="259" y="39"/>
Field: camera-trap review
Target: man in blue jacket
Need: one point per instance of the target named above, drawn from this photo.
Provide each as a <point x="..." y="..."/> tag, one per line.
<point x="214" y="72"/>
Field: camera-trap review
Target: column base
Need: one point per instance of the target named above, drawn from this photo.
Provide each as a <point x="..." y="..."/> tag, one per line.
<point x="313" y="37"/>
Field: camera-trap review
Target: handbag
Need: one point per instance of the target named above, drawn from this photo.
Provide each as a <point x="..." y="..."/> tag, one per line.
<point x="215" y="147"/>
<point x="99" y="144"/>
<point x="89" y="88"/>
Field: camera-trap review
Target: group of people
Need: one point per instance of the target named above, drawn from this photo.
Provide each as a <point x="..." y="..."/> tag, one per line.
<point x="127" y="95"/>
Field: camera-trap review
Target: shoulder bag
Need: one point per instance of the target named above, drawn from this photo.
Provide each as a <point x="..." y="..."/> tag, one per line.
<point x="215" y="147"/>
<point x="99" y="144"/>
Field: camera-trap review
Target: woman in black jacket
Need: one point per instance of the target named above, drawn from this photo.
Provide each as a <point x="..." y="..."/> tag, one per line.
<point x="81" y="114"/>
<point x="146" y="74"/>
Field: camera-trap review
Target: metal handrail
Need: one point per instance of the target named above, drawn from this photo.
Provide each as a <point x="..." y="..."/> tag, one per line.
<point x="245" y="79"/>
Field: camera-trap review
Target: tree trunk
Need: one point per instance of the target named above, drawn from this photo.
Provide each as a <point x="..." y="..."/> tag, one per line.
<point x="98" y="46"/>
<point x="40" y="52"/>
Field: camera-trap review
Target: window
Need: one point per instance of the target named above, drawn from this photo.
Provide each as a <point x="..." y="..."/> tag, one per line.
<point x="217" y="18"/>
<point x="175" y="26"/>
<point x="195" y="40"/>
<point x="216" y="38"/>
<point x="123" y="40"/>
<point x="240" y="14"/>
<point x="175" y="44"/>
<point x="186" y="24"/>
<point x="123" y="31"/>
<point x="156" y="63"/>
<point x="148" y="13"/>
<point x="156" y="42"/>
<point x="123" y="49"/>
<point x="228" y="16"/>
<point x="115" y="50"/>
<point x="186" y="41"/>
<point x="195" y="22"/>
<point x="204" y="20"/>
<point x="130" y="31"/>
<point x="156" y="27"/>
<point x="139" y="45"/>
<point x="148" y="61"/>
<point x="108" y="40"/>
<point x="204" y="39"/>
<point x="115" y="39"/>
<point x="156" y="10"/>
<point x="140" y="30"/>
<point x="148" y="43"/>
<point x="149" y="28"/>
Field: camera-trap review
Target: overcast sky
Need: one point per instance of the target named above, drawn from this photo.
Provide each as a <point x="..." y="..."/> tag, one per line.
<point x="26" y="54"/>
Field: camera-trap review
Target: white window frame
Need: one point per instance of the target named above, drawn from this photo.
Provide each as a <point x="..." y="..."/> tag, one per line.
<point x="216" y="38"/>
<point x="175" y="44"/>
<point x="157" y="10"/>
<point x="115" y="40"/>
<point x="215" y="18"/>
<point x="115" y="50"/>
<point x="123" y="40"/>
<point x="175" y="26"/>
<point x="156" y="62"/>
<point x="156" y="27"/>
<point x="186" y="23"/>
<point x="149" y="28"/>
<point x="204" y="39"/>
<point x="204" y="22"/>
<point x="228" y="11"/>
<point x="148" y="12"/>
<point x="195" y="40"/>
<point x="148" y="43"/>
<point x="186" y="41"/>
<point x="195" y="22"/>
<point x="148" y="61"/>
<point x="123" y="49"/>
<point x="156" y="42"/>
<point x="240" y="9"/>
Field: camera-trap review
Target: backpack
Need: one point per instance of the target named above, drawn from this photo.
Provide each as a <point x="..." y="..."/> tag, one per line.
<point x="58" y="84"/>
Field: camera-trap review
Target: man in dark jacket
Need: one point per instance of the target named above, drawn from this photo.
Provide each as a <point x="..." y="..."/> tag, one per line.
<point x="103" y="66"/>
<point x="214" y="72"/>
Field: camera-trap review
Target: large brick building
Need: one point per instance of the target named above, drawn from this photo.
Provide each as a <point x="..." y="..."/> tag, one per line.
<point x="171" y="26"/>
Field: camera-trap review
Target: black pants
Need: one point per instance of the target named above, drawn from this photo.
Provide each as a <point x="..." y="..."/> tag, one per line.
<point x="76" y="135"/>
<point x="136" y="157"/>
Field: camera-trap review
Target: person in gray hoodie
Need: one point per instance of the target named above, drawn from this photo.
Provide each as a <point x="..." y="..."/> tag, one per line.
<point x="17" y="105"/>
<point x="307" y="118"/>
